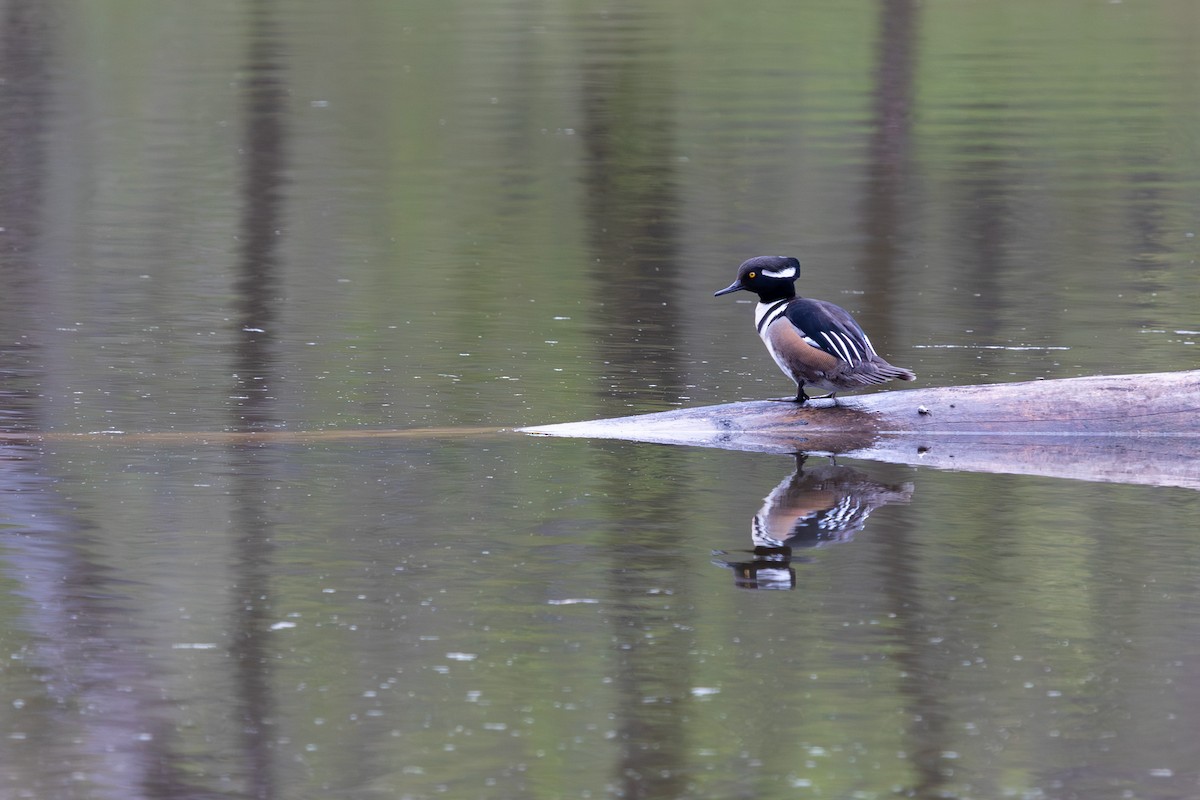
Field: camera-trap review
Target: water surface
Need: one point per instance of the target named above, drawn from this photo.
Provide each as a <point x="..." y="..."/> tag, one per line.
<point x="246" y="243"/>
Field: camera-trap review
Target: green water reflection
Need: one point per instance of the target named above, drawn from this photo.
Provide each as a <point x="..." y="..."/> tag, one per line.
<point x="485" y="622"/>
<point x="303" y="218"/>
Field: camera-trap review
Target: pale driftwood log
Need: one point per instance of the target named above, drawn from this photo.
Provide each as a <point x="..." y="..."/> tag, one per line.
<point x="1124" y="428"/>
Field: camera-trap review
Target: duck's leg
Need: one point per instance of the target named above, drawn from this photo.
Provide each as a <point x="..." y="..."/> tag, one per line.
<point x="801" y="398"/>
<point x="831" y="396"/>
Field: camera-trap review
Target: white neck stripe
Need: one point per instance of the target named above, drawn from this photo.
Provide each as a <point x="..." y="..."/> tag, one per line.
<point x="766" y="313"/>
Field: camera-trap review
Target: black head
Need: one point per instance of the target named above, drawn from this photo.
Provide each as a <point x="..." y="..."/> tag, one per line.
<point x="769" y="277"/>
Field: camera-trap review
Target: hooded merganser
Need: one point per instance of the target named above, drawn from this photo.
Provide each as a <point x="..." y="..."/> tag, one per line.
<point x="809" y="508"/>
<point x="813" y="342"/>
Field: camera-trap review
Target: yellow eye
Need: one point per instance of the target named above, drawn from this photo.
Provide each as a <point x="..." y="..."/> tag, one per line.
<point x="749" y="274"/>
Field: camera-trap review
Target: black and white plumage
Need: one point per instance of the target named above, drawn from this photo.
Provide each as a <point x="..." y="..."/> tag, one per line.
<point x="814" y="342"/>
<point x="810" y="508"/>
<point x="816" y="507"/>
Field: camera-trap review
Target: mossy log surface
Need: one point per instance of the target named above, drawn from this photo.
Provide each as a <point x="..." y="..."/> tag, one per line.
<point x="1127" y="428"/>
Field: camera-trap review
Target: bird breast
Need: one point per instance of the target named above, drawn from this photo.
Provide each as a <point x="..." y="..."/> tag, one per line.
<point x="794" y="355"/>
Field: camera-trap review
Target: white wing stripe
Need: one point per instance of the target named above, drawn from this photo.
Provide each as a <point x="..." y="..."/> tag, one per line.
<point x="843" y="346"/>
<point x="870" y="347"/>
<point x="850" y="347"/>
<point x="835" y="345"/>
<point x="853" y="346"/>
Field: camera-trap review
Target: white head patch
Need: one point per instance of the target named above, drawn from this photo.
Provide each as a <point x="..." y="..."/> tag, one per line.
<point x="786" y="272"/>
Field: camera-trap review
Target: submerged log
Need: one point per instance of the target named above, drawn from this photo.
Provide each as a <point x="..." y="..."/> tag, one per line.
<point x="1126" y="428"/>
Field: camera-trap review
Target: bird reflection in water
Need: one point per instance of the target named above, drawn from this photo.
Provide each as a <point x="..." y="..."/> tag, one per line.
<point x="809" y="508"/>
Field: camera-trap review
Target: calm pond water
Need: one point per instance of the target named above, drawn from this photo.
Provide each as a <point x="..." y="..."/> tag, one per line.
<point x="277" y="280"/>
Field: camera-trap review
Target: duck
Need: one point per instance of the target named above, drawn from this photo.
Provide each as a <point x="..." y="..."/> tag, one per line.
<point x="815" y="343"/>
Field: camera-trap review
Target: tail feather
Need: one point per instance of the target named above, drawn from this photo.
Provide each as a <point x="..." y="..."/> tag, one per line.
<point x="901" y="373"/>
<point x="880" y="371"/>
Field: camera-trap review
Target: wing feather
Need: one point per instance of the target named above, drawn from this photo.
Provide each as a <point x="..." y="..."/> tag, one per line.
<point x="832" y="329"/>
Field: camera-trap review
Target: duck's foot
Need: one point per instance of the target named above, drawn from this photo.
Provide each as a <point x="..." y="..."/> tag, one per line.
<point x="831" y="396"/>
<point x="801" y="398"/>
